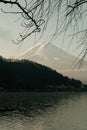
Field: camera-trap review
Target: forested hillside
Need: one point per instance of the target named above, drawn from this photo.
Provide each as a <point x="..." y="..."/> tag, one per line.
<point x="25" y="75"/>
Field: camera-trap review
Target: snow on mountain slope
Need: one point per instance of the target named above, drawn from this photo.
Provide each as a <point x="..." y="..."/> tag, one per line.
<point x="56" y="58"/>
<point x="49" y="55"/>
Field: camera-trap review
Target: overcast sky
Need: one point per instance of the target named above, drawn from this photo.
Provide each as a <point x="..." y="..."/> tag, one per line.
<point x="10" y="28"/>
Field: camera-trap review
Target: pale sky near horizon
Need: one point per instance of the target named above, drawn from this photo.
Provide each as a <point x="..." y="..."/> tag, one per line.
<point x="10" y="29"/>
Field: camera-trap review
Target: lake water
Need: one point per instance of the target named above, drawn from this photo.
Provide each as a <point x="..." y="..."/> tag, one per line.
<point x="43" y="111"/>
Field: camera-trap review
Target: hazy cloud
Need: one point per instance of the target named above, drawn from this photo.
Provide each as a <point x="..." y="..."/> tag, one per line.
<point x="5" y="34"/>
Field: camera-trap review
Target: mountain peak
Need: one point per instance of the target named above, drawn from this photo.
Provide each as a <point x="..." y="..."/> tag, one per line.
<point x="54" y="57"/>
<point x="47" y="54"/>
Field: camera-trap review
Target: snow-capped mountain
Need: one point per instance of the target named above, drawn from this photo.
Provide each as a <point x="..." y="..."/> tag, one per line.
<point x="56" y="58"/>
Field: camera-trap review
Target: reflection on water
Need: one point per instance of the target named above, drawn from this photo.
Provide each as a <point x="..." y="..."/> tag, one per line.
<point x="43" y="111"/>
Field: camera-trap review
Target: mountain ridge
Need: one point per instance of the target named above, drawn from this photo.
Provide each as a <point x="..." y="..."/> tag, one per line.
<point x="25" y="75"/>
<point x="56" y="58"/>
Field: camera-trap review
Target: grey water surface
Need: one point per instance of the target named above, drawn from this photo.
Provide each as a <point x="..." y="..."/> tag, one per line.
<point x="43" y="111"/>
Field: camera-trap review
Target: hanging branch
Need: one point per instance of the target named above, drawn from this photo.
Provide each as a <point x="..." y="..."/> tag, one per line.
<point x="29" y="22"/>
<point x="36" y="15"/>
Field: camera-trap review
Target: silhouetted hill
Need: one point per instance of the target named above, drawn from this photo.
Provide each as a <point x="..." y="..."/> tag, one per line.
<point x="25" y="75"/>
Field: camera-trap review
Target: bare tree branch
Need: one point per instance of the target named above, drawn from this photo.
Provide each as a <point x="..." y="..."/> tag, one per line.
<point x="36" y="15"/>
<point x="28" y="22"/>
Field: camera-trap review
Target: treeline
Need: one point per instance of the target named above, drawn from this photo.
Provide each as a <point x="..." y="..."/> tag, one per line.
<point x="25" y="75"/>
